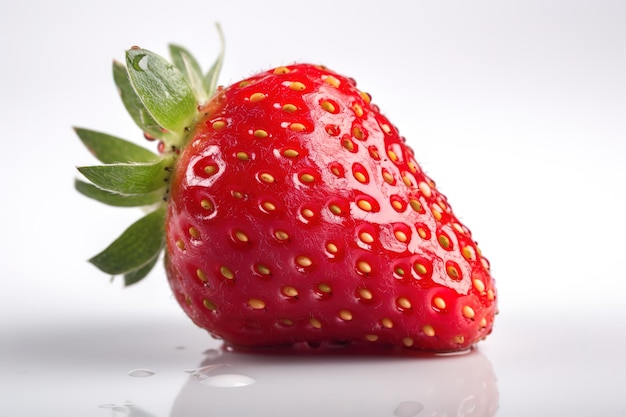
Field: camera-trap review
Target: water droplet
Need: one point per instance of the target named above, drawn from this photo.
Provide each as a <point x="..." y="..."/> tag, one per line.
<point x="141" y="373"/>
<point x="228" y="381"/>
<point x="212" y="353"/>
<point x="408" y="409"/>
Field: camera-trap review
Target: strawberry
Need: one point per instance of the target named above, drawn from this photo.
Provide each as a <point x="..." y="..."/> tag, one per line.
<point x="290" y="210"/>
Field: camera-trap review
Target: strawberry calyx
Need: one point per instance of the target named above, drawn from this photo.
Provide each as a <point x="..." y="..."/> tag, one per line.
<point x="163" y="99"/>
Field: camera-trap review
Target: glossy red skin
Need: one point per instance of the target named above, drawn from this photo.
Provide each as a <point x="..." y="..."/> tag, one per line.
<point x="333" y="153"/>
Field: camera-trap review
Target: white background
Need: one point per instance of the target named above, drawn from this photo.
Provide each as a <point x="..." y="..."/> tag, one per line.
<point x="517" y="109"/>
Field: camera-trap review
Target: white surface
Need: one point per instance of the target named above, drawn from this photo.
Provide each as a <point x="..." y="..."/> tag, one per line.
<point x="516" y="109"/>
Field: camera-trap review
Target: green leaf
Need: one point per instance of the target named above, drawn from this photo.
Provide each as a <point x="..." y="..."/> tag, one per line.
<point x="138" y="274"/>
<point x="162" y="89"/>
<point x="134" y="106"/>
<point x="115" y="199"/>
<point x="211" y="77"/>
<point x="139" y="178"/>
<point x="189" y="67"/>
<point x="110" y="149"/>
<point x="136" y="247"/>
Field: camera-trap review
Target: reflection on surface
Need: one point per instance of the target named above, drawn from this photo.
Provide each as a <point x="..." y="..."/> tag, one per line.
<point x="238" y="384"/>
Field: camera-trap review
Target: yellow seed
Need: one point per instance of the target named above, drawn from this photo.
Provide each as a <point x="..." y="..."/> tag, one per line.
<point x="374" y="153"/>
<point x="407" y="181"/>
<point x="366" y="237"/>
<point x="238" y="195"/>
<point x="364" y="205"/>
<point x="452" y="272"/>
<point x="332" y="248"/>
<point x="422" y="233"/>
<point x="404" y="303"/>
<point x="201" y="275"/>
<point x="400" y="236"/>
<point x="227" y="272"/>
<point x="193" y="232"/>
<point x="332" y="81"/>
<point x="468" y="253"/>
<point x="297" y="127"/>
<point x="468" y="312"/>
<point x="345" y="315"/>
<point x="366" y="97"/>
<point x="180" y="244"/>
<point x="425" y="189"/>
<point x="242" y="156"/>
<point x="256" y="97"/>
<point x="289" y="108"/>
<point x="439" y="303"/>
<point x="263" y="270"/>
<point x="286" y="322"/>
<point x="347" y="143"/>
<point x="392" y="155"/>
<point x="256" y="303"/>
<point x="209" y="305"/>
<point x="267" y="177"/>
<point x="444" y="241"/>
<point x="328" y="106"/>
<point x="358" y="133"/>
<point x="281" y="235"/>
<point x="210" y="169"/>
<point x="289" y="291"/>
<point x="304" y="261"/>
<point x="388" y="177"/>
<point x="260" y="133"/>
<point x="415" y="205"/>
<point x="297" y="86"/>
<point x="397" y="205"/>
<point x="219" y="124"/>
<point x="325" y="288"/>
<point x="386" y="323"/>
<point x="281" y="70"/>
<point x="360" y="177"/>
<point x="358" y="110"/>
<point x="206" y="204"/>
<point x="290" y="153"/>
<point x="365" y="294"/>
<point x="269" y="206"/>
<point x="479" y="285"/>
<point x="483" y="322"/>
<point x="364" y="267"/>
<point x="490" y="295"/>
<point x="420" y="268"/>
<point x="428" y="330"/>
<point x="244" y="84"/>
<point x="386" y="128"/>
<point x="241" y="236"/>
<point x="335" y="209"/>
<point x="307" y="178"/>
<point x="315" y="323"/>
<point x="436" y="212"/>
<point x="307" y="213"/>
<point x="371" y="337"/>
<point x="407" y="341"/>
<point x="459" y="339"/>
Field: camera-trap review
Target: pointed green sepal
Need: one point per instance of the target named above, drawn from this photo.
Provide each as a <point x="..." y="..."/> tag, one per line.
<point x="136" y="248"/>
<point x="138" y="274"/>
<point x="138" y="178"/>
<point x="110" y="149"/>
<point x="190" y="69"/>
<point x="211" y="77"/>
<point x="134" y="106"/>
<point x="115" y="199"/>
<point x="163" y="90"/>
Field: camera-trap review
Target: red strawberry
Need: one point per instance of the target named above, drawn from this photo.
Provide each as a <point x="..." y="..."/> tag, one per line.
<point x="293" y="212"/>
